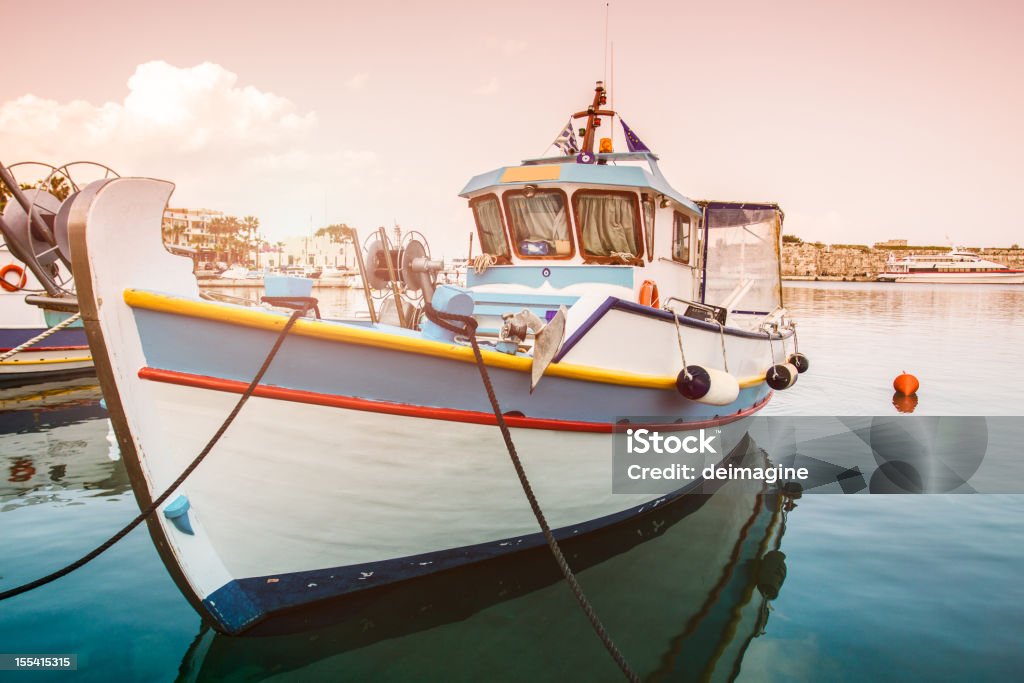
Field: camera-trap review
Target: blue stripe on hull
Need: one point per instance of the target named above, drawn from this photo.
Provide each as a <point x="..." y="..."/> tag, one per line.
<point x="242" y="602"/>
<point x="11" y="337"/>
<point x="215" y="349"/>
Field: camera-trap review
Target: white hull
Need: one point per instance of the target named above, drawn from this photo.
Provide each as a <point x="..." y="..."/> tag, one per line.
<point x="31" y="363"/>
<point x="369" y="489"/>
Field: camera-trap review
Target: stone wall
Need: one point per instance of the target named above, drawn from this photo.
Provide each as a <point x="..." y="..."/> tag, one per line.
<point x="854" y="262"/>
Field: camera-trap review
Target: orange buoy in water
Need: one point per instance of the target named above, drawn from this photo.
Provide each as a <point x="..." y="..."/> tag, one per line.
<point x="906" y="384"/>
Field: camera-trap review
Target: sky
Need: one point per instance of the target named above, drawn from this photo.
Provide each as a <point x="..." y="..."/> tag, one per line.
<point x="866" y="121"/>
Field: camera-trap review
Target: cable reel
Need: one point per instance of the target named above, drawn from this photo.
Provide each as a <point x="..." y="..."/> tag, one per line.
<point x="38" y="234"/>
<point x="404" y="271"/>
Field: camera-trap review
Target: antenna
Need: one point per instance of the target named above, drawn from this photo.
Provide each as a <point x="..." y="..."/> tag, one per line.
<point x="611" y="97"/>
<point x="606" y="11"/>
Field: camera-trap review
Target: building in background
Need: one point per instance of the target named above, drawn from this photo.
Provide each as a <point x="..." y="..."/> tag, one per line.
<point x="190" y="227"/>
<point x="203" y="230"/>
<point x="318" y="252"/>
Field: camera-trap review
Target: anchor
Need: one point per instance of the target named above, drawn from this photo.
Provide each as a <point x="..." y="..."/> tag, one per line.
<point x="547" y="338"/>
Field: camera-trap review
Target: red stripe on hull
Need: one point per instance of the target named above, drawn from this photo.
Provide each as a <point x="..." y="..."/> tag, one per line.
<point x="407" y="410"/>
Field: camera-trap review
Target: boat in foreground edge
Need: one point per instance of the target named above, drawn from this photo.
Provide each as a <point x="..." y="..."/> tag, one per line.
<point x="39" y="340"/>
<point x="368" y="453"/>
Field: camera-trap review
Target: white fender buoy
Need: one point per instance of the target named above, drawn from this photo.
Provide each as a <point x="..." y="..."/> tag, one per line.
<point x="781" y="376"/>
<point x="707" y="385"/>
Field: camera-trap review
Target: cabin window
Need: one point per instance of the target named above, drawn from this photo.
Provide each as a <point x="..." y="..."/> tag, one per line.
<point x="681" y="237"/>
<point x="490" y="227"/>
<point x="539" y="223"/>
<point x="608" y="224"/>
<point x="649" y="209"/>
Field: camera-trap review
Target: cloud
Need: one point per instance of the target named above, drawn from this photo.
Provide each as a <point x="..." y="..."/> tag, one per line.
<point x="168" y="111"/>
<point x="224" y="144"/>
<point x="358" y="80"/>
<point x="488" y="88"/>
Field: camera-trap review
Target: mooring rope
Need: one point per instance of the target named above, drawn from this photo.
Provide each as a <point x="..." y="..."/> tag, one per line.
<point x="106" y="545"/>
<point x="468" y="329"/>
<point x="71" y="320"/>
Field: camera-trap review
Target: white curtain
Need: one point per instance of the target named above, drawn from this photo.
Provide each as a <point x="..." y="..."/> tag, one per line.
<point x="540" y="218"/>
<point x="608" y="224"/>
<point x="492" y="235"/>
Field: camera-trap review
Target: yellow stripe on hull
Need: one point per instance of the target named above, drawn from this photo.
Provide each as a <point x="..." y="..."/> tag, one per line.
<point x="349" y="334"/>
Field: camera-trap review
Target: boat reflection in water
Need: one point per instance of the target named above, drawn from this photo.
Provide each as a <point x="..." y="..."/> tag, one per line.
<point x="54" y="444"/>
<point x="683" y="590"/>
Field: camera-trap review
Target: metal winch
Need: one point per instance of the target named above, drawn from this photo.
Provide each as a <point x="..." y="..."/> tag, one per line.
<point x="515" y="328"/>
<point x="547" y="338"/>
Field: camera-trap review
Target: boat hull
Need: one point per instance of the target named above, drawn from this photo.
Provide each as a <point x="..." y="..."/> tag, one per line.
<point x="64" y="353"/>
<point x="994" y="278"/>
<point x="287" y="513"/>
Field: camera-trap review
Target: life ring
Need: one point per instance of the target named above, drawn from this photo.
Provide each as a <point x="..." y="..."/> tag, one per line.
<point x="18" y="271"/>
<point x="649" y="294"/>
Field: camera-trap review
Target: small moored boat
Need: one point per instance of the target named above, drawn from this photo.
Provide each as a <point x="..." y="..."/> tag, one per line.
<point x="39" y="340"/>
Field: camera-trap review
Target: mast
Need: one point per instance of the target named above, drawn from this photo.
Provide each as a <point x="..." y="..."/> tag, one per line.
<point x="593" y="115"/>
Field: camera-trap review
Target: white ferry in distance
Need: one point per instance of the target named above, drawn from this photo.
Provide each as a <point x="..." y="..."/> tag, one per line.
<point x="955" y="267"/>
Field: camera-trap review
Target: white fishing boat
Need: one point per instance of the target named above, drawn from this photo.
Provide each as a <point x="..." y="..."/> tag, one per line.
<point x="368" y="453"/>
<point x="956" y="267"/>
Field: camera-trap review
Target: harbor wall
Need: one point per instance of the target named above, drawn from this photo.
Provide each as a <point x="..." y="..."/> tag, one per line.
<point x="811" y="261"/>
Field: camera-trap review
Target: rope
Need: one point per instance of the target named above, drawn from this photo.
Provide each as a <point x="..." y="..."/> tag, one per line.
<point x="771" y="349"/>
<point x="721" y="332"/>
<point x="82" y="561"/>
<point x="623" y="256"/>
<point x="481" y="262"/>
<point x="35" y="340"/>
<point x="679" y="338"/>
<point x="468" y="328"/>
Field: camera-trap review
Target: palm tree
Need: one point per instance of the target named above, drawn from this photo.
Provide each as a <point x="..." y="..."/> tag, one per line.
<point x="251" y="225"/>
<point x="338" y="232"/>
<point x="225" y="230"/>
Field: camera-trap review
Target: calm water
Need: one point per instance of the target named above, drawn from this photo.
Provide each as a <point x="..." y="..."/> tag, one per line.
<point x="877" y="587"/>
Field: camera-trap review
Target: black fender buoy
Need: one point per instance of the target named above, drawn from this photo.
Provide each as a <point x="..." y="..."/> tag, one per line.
<point x="707" y="385"/>
<point x="693" y="382"/>
<point x="800" y="362"/>
<point x="781" y="376"/>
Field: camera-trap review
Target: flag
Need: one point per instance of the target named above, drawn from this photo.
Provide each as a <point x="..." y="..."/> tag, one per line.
<point x="634" y="143"/>
<point x="566" y="140"/>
